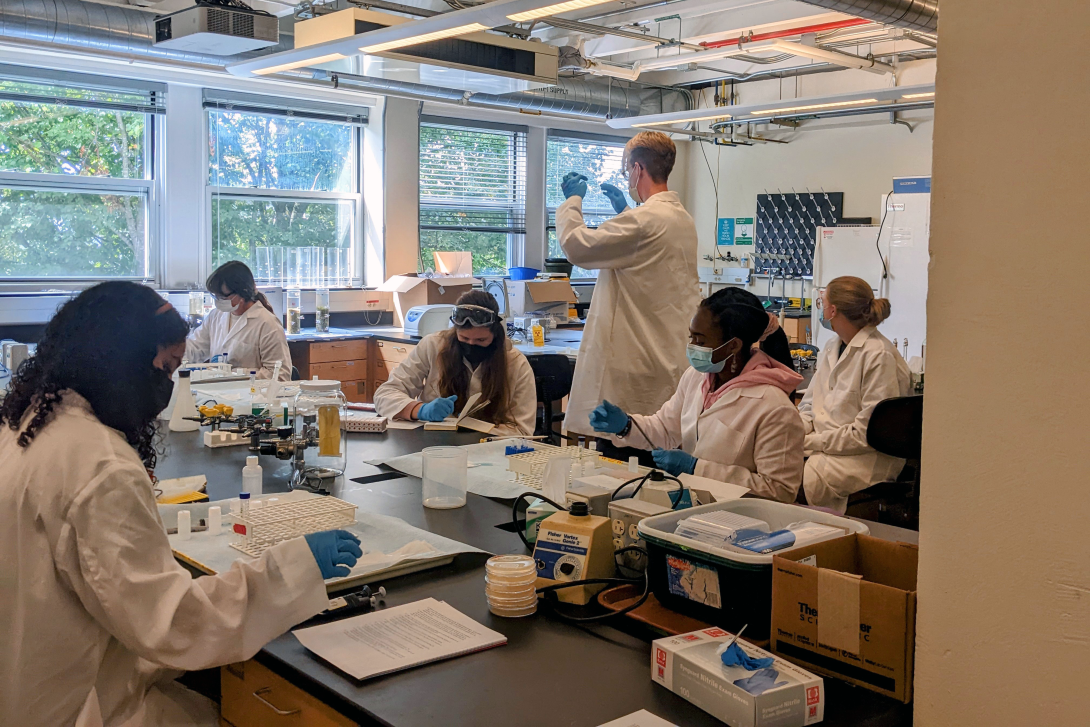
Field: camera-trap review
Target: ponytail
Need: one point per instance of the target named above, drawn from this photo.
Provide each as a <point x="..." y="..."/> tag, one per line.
<point x="259" y="297"/>
<point x="854" y="299"/>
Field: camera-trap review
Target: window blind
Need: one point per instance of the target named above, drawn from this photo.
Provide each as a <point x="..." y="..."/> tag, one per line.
<point x="472" y="179"/>
<point x="43" y="86"/>
<point x="275" y="106"/>
<point x="599" y="160"/>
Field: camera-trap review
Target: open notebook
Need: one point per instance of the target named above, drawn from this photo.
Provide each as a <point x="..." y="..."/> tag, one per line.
<point x="451" y="423"/>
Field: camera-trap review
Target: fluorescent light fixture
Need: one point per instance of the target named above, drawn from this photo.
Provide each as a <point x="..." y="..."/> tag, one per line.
<point x="813" y="107"/>
<point x="698" y="118"/>
<point x="300" y="64"/>
<point x="913" y="94"/>
<point x="553" y="10"/>
<point x="417" y="39"/>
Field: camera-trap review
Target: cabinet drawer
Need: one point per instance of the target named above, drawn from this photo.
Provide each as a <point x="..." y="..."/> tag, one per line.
<point x="253" y="696"/>
<point x="340" y="370"/>
<point x="392" y="352"/>
<point x="356" y="391"/>
<point x="338" y="351"/>
<point x="383" y="369"/>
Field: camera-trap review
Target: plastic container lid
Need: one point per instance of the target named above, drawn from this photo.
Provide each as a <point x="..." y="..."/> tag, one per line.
<point x="320" y="385"/>
<point x="504" y="564"/>
<point x="244" y="495"/>
<point x="251" y="460"/>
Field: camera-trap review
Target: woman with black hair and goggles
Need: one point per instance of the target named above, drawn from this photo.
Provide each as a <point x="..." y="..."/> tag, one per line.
<point x="731" y="418"/>
<point x="472" y="357"/>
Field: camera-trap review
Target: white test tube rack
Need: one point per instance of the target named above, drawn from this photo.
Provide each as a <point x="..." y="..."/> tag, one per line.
<point x="529" y="467"/>
<point x="260" y="529"/>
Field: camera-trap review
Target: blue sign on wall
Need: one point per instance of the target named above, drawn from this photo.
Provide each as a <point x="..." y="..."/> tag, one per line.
<point x="725" y="231"/>
<point x="912" y="185"/>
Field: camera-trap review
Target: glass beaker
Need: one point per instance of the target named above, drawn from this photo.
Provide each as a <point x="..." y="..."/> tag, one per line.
<point x="321" y="416"/>
<point x="295" y="311"/>
<point x="321" y="310"/>
<point x="444" y="477"/>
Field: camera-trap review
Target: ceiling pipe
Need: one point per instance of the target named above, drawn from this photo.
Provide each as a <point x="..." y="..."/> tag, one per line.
<point x="922" y="15"/>
<point x="787" y="32"/>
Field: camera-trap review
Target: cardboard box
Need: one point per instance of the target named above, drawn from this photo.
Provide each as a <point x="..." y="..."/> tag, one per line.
<point x="689" y="666"/>
<point x="864" y="590"/>
<point x="409" y="290"/>
<point x="527" y="296"/>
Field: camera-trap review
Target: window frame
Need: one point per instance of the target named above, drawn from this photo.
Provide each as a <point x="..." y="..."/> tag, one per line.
<point x="212" y="192"/>
<point x="150" y="187"/>
<point x="516" y="242"/>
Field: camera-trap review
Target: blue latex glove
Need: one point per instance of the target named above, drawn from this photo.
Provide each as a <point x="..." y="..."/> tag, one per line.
<point x="437" y="410"/>
<point x="608" y="417"/>
<point x="335" y="551"/>
<point x="760" y="682"/>
<point x="616" y="197"/>
<point x="736" y="656"/>
<point x="674" y="461"/>
<point x="574" y="184"/>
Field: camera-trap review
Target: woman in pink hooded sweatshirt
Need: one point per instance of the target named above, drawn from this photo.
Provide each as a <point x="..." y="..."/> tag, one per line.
<point x="731" y="418"/>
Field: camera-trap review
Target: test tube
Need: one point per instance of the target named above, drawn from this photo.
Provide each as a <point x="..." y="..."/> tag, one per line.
<point x="215" y="520"/>
<point x="582" y="443"/>
<point x="185" y="525"/>
<point x="634" y="464"/>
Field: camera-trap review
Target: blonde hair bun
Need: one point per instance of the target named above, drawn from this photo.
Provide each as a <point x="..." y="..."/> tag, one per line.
<point x="854" y="299"/>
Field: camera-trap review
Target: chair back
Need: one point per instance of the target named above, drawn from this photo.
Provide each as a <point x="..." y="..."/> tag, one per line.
<point x="896" y="427"/>
<point x="553" y="376"/>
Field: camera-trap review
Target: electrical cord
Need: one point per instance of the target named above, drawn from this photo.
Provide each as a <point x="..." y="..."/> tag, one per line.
<point x="662" y="477"/>
<point x="885" y="270"/>
<point x="515" y="514"/>
<point x="549" y="592"/>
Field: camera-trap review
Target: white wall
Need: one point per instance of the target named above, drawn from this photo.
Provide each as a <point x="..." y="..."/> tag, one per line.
<point x="858" y="156"/>
<point x="1003" y="630"/>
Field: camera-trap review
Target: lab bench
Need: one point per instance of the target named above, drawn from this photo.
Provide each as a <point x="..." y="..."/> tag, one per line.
<point x="549" y="673"/>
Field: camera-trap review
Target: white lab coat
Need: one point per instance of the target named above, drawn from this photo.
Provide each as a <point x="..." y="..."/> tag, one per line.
<point x="94" y="606"/>
<point x="633" y="349"/>
<point x="254" y="340"/>
<point x="836" y="410"/>
<point x="750" y="436"/>
<point x="413" y="381"/>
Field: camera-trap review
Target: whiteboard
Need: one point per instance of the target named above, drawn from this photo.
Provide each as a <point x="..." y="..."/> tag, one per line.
<point x="843" y="251"/>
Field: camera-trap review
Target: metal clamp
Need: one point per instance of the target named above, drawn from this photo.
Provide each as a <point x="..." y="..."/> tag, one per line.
<point x="279" y="712"/>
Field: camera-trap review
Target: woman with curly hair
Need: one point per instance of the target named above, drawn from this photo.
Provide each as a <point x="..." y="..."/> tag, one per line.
<point x="96" y="609"/>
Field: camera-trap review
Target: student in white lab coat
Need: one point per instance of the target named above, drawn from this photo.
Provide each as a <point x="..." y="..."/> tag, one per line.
<point x="855" y="371"/>
<point x="633" y="348"/>
<point x="242" y="325"/>
<point x="731" y="415"/>
<point x="97" y="615"/>
<point x="472" y="357"/>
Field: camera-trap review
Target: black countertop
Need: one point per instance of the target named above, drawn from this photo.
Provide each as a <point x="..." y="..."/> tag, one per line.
<point x="392" y="333"/>
<point x="549" y="673"/>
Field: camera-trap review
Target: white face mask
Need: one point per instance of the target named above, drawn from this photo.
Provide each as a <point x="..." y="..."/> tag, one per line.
<point x="633" y="180"/>
<point x="225" y="306"/>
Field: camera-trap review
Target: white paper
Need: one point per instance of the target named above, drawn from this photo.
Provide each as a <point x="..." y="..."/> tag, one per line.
<point x="643" y="718"/>
<point x="403" y="424"/>
<point x="721" y="491"/>
<point x="393" y="639"/>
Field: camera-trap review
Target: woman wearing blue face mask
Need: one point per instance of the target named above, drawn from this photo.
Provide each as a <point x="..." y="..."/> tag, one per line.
<point x="243" y="325"/>
<point x="731" y="418"/>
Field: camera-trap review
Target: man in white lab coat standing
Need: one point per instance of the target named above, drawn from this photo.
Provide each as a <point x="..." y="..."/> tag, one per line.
<point x="633" y="349"/>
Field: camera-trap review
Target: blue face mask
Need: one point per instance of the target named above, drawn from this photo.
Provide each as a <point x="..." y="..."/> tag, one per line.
<point x="700" y="358"/>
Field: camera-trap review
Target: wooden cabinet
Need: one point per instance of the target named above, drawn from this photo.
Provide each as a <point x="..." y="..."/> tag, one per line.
<point x="361" y="365"/>
<point x="796" y="329"/>
<point x="253" y="696"/>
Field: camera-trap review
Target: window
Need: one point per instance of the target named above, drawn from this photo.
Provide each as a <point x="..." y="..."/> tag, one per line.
<point x="472" y="194"/>
<point x="76" y="181"/>
<point x="285" y="192"/>
<point x="600" y="160"/>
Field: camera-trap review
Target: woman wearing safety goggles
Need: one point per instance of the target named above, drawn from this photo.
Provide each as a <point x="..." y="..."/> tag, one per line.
<point x="472" y="356"/>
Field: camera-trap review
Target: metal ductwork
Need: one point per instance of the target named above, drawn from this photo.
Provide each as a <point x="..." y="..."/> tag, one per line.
<point x="105" y="29"/>
<point x="128" y="32"/>
<point x="921" y="15"/>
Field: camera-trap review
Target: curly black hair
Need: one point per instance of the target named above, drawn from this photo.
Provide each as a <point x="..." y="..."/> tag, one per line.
<point x="740" y="314"/>
<point x="101" y="344"/>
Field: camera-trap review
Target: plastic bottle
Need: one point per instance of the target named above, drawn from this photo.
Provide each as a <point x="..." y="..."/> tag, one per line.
<point x="251" y="476"/>
<point x="215" y="520"/>
<point x="538" y="334"/>
<point x="185" y="525"/>
<point x="184" y="406"/>
<point x="254" y="408"/>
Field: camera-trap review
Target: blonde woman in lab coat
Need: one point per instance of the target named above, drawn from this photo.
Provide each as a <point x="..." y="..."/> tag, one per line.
<point x="855" y="371"/>
<point x="731" y="415"/>
<point x="97" y="615"/>
<point x="243" y="326"/>
<point x="472" y="357"/>
<point x="633" y="345"/>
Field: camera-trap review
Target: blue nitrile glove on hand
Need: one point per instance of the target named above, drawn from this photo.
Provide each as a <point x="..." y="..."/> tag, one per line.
<point x="437" y="410"/>
<point x="335" y="551"/>
<point x="760" y="682"/>
<point x="616" y="197"/>
<point x="574" y="184"/>
<point x="736" y="656"/>
<point x="674" y="461"/>
<point x="608" y="417"/>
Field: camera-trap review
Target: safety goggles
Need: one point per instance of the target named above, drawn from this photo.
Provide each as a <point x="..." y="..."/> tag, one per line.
<point x="473" y="315"/>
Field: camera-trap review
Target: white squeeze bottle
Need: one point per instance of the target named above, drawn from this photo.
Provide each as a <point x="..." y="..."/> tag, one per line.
<point x="251" y="476"/>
